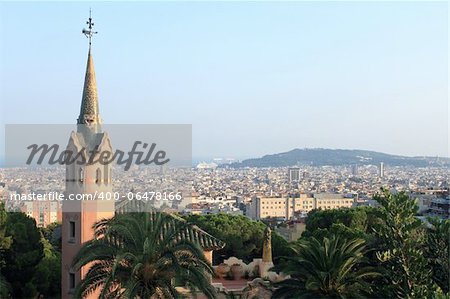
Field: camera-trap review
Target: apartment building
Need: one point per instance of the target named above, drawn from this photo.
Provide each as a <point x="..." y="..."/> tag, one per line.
<point x="286" y="207"/>
<point x="43" y="212"/>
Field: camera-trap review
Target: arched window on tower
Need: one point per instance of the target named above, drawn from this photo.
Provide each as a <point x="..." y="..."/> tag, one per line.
<point x="81" y="175"/>
<point x="105" y="173"/>
<point x="73" y="172"/>
<point x="98" y="176"/>
<point x="68" y="173"/>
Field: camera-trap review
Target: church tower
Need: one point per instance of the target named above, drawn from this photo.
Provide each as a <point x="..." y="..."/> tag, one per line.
<point x="85" y="178"/>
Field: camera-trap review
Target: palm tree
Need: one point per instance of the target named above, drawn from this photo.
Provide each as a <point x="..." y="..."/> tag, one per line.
<point x="142" y="255"/>
<point x="333" y="268"/>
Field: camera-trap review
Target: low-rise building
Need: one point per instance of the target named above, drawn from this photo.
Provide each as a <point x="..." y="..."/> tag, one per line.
<point x="286" y="208"/>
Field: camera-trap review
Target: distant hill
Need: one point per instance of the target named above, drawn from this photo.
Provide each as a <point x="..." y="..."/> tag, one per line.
<point x="335" y="157"/>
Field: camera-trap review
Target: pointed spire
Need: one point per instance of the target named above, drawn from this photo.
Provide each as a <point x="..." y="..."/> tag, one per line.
<point x="89" y="112"/>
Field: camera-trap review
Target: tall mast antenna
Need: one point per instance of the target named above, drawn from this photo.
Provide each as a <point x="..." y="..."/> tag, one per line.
<point x="89" y="33"/>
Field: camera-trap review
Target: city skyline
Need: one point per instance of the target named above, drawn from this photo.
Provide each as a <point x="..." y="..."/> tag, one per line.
<point x="321" y="75"/>
<point x="116" y="180"/>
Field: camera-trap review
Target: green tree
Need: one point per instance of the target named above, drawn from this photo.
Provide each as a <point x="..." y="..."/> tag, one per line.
<point x="47" y="278"/>
<point x="5" y="240"/>
<point x="5" y="244"/>
<point x="347" y="223"/>
<point x="438" y="252"/>
<point x="52" y="233"/>
<point x="140" y="255"/>
<point x="243" y="236"/>
<point x="401" y="249"/>
<point x="360" y="219"/>
<point x="280" y="247"/>
<point x="24" y="254"/>
<point x="4" y="287"/>
<point x="332" y="268"/>
<point x="336" y="229"/>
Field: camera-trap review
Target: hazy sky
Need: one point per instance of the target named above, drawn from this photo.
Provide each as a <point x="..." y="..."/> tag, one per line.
<point x="251" y="77"/>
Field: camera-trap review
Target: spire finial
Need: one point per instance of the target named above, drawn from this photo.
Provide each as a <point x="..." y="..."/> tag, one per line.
<point x="89" y="112"/>
<point x="89" y="32"/>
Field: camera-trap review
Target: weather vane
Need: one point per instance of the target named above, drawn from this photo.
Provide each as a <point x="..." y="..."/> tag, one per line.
<point x="89" y="32"/>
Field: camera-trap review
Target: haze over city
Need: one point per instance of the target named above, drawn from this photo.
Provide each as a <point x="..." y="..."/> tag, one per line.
<point x="252" y="78"/>
<point x="270" y="150"/>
